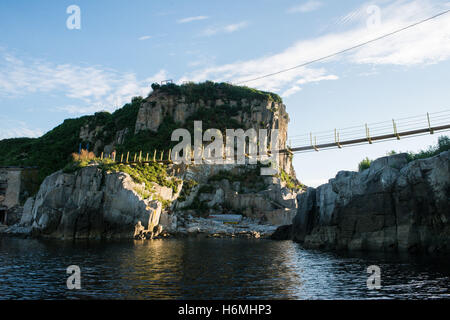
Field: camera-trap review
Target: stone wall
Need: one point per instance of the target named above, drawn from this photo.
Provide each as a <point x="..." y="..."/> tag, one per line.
<point x="16" y="184"/>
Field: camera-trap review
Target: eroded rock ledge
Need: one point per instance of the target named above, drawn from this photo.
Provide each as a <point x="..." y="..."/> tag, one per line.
<point x="392" y="206"/>
<point x="94" y="202"/>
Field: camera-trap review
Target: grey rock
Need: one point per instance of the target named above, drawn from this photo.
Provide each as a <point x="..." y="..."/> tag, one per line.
<point x="90" y="204"/>
<point x="392" y="206"/>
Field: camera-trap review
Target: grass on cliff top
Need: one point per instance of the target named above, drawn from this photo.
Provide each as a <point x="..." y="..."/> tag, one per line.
<point x="212" y="90"/>
<point x="140" y="173"/>
<point x="442" y="146"/>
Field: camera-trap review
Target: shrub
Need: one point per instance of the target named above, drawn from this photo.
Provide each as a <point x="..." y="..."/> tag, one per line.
<point x="442" y="145"/>
<point x="364" y="164"/>
<point x="209" y="90"/>
<point x="155" y="86"/>
<point x="391" y="153"/>
<point x="188" y="185"/>
<point x="83" y="156"/>
<point x="291" y="183"/>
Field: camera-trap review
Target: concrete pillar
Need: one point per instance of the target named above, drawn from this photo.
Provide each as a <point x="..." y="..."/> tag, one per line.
<point x="13" y="189"/>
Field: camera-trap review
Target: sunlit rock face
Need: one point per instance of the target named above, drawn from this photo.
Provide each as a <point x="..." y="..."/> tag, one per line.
<point x="91" y="204"/>
<point x="392" y="206"/>
<point x="255" y="113"/>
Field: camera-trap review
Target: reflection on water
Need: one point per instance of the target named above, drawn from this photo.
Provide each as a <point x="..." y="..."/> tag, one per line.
<point x="210" y="269"/>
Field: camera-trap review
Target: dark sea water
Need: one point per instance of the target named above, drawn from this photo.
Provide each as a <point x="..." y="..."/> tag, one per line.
<point x="210" y="269"/>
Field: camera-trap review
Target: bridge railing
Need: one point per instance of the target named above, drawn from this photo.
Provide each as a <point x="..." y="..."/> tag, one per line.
<point x="371" y="132"/>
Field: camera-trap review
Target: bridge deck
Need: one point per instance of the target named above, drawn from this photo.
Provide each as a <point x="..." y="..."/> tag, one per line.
<point x="368" y="140"/>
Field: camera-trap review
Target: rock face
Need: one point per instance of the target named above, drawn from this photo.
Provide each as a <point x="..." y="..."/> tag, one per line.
<point x="89" y="204"/>
<point x="268" y="202"/>
<point x="256" y="114"/>
<point x="393" y="205"/>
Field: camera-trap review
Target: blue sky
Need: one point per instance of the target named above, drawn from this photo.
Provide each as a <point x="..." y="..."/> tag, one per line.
<point x="49" y="72"/>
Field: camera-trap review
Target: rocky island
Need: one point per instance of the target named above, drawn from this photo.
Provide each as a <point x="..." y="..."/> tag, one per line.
<point x="94" y="197"/>
<point x="398" y="203"/>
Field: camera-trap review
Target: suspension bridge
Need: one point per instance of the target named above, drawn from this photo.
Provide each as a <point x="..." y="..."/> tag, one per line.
<point x="370" y="133"/>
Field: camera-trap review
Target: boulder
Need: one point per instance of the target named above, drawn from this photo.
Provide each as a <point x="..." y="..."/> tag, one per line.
<point x="282" y="233"/>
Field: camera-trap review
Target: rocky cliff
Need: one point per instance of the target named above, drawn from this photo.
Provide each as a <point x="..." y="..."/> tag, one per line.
<point x="392" y="206"/>
<point x="238" y="189"/>
<point x="217" y="105"/>
<point x="91" y="204"/>
<point x="231" y="111"/>
<point x="95" y="203"/>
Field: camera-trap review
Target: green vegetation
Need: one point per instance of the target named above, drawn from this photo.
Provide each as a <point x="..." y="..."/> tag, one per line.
<point x="251" y="177"/>
<point x="206" y="188"/>
<point x="200" y="207"/>
<point x="140" y="173"/>
<point x="217" y="118"/>
<point x="147" y="141"/>
<point x="211" y="90"/>
<point x="291" y="183"/>
<point x="364" y="164"/>
<point x="442" y="145"/>
<point x="52" y="151"/>
<point x="188" y="185"/>
<point x="145" y="173"/>
<point x="391" y="153"/>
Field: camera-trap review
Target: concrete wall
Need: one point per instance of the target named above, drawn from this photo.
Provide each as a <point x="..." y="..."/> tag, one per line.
<point x="16" y="184"/>
<point x="13" y="189"/>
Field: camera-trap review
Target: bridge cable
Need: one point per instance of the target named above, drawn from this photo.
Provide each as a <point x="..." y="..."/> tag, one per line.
<point x="345" y="50"/>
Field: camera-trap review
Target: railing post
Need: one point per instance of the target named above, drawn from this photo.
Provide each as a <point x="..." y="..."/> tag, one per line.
<point x="336" y="139"/>
<point x="314" y="145"/>
<point x="368" y="134"/>
<point x="429" y="124"/>
<point x="395" y="129"/>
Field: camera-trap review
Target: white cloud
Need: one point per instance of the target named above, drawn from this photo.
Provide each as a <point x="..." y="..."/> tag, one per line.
<point x="145" y="38"/>
<point x="305" y="7"/>
<point x="191" y="19"/>
<point x="12" y="129"/>
<point x="235" y="27"/>
<point x="92" y="88"/>
<point x="291" y="91"/>
<point x="425" y="44"/>
<point x="210" y="31"/>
